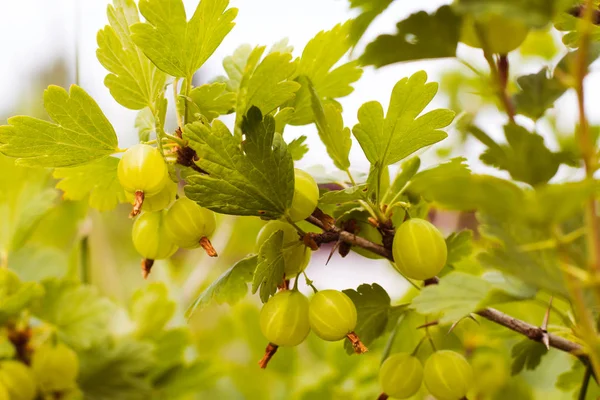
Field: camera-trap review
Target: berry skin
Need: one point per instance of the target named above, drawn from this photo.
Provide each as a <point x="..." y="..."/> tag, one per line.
<point x="296" y="257"/>
<point x="448" y="375"/>
<point x="55" y="367"/>
<point x="502" y="35"/>
<point x="401" y="375"/>
<point x="159" y="201"/>
<point x="332" y="315"/>
<point x="187" y="223"/>
<point x="142" y="169"/>
<point x="306" y="196"/>
<point x="419" y="249"/>
<point x="4" y="395"/>
<point x="18" y="380"/>
<point x="284" y="318"/>
<point x="150" y="237"/>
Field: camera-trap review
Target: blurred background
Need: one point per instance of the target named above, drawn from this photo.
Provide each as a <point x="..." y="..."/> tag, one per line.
<point x="46" y="42"/>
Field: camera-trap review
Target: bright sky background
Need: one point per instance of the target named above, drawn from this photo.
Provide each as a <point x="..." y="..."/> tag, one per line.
<point x="34" y="33"/>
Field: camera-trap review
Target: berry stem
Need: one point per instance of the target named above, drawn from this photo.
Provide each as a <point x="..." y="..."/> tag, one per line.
<point x="208" y="247"/>
<point x="269" y="353"/>
<point x="359" y="347"/>
<point x="383" y="396"/>
<point x="137" y="204"/>
<point x="147" y="264"/>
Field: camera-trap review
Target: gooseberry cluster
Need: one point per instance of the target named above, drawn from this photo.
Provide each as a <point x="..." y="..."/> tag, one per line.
<point x="447" y="375"/>
<point x="166" y="223"/>
<point x="53" y="374"/>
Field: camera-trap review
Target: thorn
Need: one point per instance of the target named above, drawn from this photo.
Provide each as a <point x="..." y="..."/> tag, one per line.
<point x="470" y="316"/>
<point x="428" y="324"/>
<point x="269" y="353"/>
<point x="137" y="204"/>
<point x="333" y="249"/>
<point x="544" y="327"/>
<point x="359" y="347"/>
<point x="147" y="264"/>
<point x="208" y="247"/>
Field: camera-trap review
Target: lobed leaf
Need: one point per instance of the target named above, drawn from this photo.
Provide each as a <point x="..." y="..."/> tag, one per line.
<point x="297" y="148"/>
<point x="175" y="45"/>
<point x="80" y="132"/>
<point x="257" y="179"/>
<point x="133" y="80"/>
<point x="353" y="193"/>
<point x="209" y="100"/>
<point x="420" y="36"/>
<point x="151" y="309"/>
<point x="269" y="272"/>
<point x="527" y="354"/>
<point x="98" y="181"/>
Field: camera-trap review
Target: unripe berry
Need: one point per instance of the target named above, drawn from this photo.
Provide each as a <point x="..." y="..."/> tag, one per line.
<point x="4" y="392"/>
<point x="419" y="249"/>
<point x="295" y="255"/>
<point x="187" y="223"/>
<point x="401" y="375"/>
<point x="142" y="169"/>
<point x="18" y="380"/>
<point x="448" y="375"/>
<point x="159" y="201"/>
<point x="306" y="196"/>
<point x="332" y="315"/>
<point x="55" y="367"/>
<point x="502" y="35"/>
<point x="150" y="237"/>
<point x="284" y="318"/>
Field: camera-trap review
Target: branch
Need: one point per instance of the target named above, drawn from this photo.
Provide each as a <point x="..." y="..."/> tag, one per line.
<point x="333" y="233"/>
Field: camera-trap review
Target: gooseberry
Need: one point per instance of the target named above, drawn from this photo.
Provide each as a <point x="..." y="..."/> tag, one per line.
<point x="401" y="375"/>
<point x="284" y="318"/>
<point x="189" y="225"/>
<point x="502" y="35"/>
<point x="18" y="380"/>
<point x="306" y="196"/>
<point x="419" y="249"/>
<point x="332" y="315"/>
<point x="150" y="237"/>
<point x="448" y="375"/>
<point x="295" y="255"/>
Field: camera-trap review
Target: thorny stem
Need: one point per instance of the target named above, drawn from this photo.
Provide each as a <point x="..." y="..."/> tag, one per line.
<point x="333" y="233"/>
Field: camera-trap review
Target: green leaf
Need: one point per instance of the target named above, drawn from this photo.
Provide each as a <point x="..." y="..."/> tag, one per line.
<point x="458" y="294"/>
<point x="370" y="9"/>
<point x="572" y="25"/>
<point x="525" y="156"/>
<point x="210" y="100"/>
<point x="133" y="80"/>
<point x="81" y="133"/>
<point x="318" y="66"/>
<point x="527" y="354"/>
<point x="353" y="193"/>
<point x="230" y="287"/>
<point x="534" y="13"/>
<point x="388" y="140"/>
<point x="332" y="132"/>
<point x="145" y="124"/>
<point x="151" y="309"/>
<point x="270" y="266"/>
<point x="257" y="179"/>
<point x="297" y="148"/>
<point x="169" y="350"/>
<point x="460" y="245"/>
<point x="538" y="93"/>
<point x="176" y="46"/>
<point x="235" y="65"/>
<point x="16" y="295"/>
<point x="7" y="348"/>
<point x="98" y="180"/>
<point x="78" y="313"/>
<point x="373" y="306"/>
<point x="267" y="86"/>
<point x="116" y="370"/>
<point x="420" y="36"/>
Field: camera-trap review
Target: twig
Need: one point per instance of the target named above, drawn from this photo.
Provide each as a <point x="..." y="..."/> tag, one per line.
<point x="586" y="382"/>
